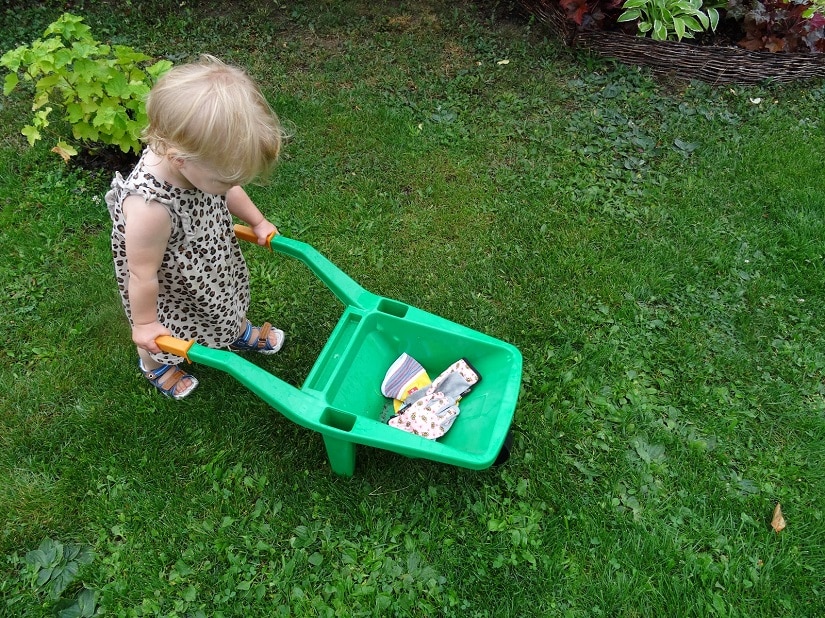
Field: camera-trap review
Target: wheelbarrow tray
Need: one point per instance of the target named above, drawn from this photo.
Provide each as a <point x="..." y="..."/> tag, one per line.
<point x="341" y="397"/>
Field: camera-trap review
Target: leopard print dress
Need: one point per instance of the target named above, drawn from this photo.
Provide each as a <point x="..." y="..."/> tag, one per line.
<point x="203" y="279"/>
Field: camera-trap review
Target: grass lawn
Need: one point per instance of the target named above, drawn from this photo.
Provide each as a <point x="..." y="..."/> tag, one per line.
<point x="654" y="249"/>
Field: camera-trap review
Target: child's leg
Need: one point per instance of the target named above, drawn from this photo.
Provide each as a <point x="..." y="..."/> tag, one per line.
<point x="168" y="379"/>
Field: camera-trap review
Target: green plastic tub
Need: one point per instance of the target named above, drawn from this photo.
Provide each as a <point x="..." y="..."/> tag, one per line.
<point x="341" y="397"/>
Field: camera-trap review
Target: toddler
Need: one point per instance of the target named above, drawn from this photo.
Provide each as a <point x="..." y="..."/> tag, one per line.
<point x="178" y="265"/>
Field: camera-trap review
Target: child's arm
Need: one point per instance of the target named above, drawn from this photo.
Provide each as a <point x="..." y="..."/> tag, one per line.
<point x="241" y="206"/>
<point x="148" y="227"/>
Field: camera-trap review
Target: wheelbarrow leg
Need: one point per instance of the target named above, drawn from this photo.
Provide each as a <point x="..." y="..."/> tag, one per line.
<point x="341" y="454"/>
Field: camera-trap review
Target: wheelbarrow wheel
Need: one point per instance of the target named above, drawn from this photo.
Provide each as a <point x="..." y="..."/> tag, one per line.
<point x="504" y="453"/>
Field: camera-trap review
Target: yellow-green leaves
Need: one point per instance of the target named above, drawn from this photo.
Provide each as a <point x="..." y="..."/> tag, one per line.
<point x="10" y="83"/>
<point x="99" y="89"/>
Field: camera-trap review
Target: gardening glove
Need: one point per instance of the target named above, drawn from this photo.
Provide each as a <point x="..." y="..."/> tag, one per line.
<point x="456" y="381"/>
<point x="430" y="417"/>
<point x="404" y="377"/>
<point x="430" y="413"/>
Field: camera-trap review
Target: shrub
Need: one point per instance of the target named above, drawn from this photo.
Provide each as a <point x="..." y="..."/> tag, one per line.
<point x="99" y="89"/>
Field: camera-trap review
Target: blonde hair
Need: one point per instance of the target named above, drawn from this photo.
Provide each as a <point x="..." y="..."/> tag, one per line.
<point x="213" y="114"/>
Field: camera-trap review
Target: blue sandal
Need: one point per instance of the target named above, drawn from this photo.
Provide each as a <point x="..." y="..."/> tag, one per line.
<point x="260" y="344"/>
<point x="168" y="385"/>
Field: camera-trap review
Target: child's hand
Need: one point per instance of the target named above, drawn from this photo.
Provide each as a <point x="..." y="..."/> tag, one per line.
<point x="144" y="336"/>
<point x="264" y="230"/>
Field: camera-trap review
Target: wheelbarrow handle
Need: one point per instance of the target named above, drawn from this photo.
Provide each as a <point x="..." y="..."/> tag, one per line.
<point x="173" y="345"/>
<point x="346" y="289"/>
<point x="295" y="404"/>
<point x="246" y="233"/>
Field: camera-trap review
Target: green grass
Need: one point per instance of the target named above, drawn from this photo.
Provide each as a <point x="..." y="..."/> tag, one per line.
<point x="654" y="249"/>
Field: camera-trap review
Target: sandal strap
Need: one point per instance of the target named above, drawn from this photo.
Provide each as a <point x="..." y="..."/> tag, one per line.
<point x="243" y="341"/>
<point x="170" y="383"/>
<point x="154" y="374"/>
<point x="247" y="333"/>
<point x="260" y="343"/>
<point x="263" y="335"/>
<point x="167" y="387"/>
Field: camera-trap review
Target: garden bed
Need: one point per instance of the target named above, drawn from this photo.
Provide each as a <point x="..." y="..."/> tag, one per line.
<point x="717" y="64"/>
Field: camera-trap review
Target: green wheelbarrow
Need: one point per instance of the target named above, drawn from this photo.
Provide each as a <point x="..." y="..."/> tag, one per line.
<point x="341" y="397"/>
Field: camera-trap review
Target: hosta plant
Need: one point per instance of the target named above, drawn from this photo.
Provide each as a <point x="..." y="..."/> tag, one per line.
<point x="97" y="89"/>
<point x="668" y="19"/>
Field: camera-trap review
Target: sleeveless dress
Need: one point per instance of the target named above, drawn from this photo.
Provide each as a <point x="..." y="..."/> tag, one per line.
<point x="203" y="279"/>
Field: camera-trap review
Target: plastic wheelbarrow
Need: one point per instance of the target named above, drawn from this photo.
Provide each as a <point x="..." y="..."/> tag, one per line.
<point x="341" y="397"/>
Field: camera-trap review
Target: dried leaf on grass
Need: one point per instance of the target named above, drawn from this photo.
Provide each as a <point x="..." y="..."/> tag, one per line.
<point x="65" y="151"/>
<point x="778" y="522"/>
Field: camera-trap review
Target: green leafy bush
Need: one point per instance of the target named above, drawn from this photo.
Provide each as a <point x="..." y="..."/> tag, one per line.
<point x="99" y="89"/>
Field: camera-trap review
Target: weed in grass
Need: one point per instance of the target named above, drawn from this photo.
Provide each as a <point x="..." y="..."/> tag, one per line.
<point x="49" y="571"/>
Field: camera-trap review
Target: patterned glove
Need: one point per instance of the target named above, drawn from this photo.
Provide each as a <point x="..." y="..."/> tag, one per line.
<point x="430" y="413"/>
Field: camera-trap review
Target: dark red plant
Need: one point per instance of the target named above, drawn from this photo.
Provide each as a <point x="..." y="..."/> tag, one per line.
<point x="592" y="14"/>
<point x="779" y="26"/>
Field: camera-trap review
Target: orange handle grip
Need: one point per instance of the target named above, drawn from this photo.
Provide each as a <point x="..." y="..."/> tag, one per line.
<point x="173" y="345"/>
<point x="245" y="233"/>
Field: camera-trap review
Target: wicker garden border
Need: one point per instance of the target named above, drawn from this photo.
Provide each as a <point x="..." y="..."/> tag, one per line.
<point x="708" y="63"/>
